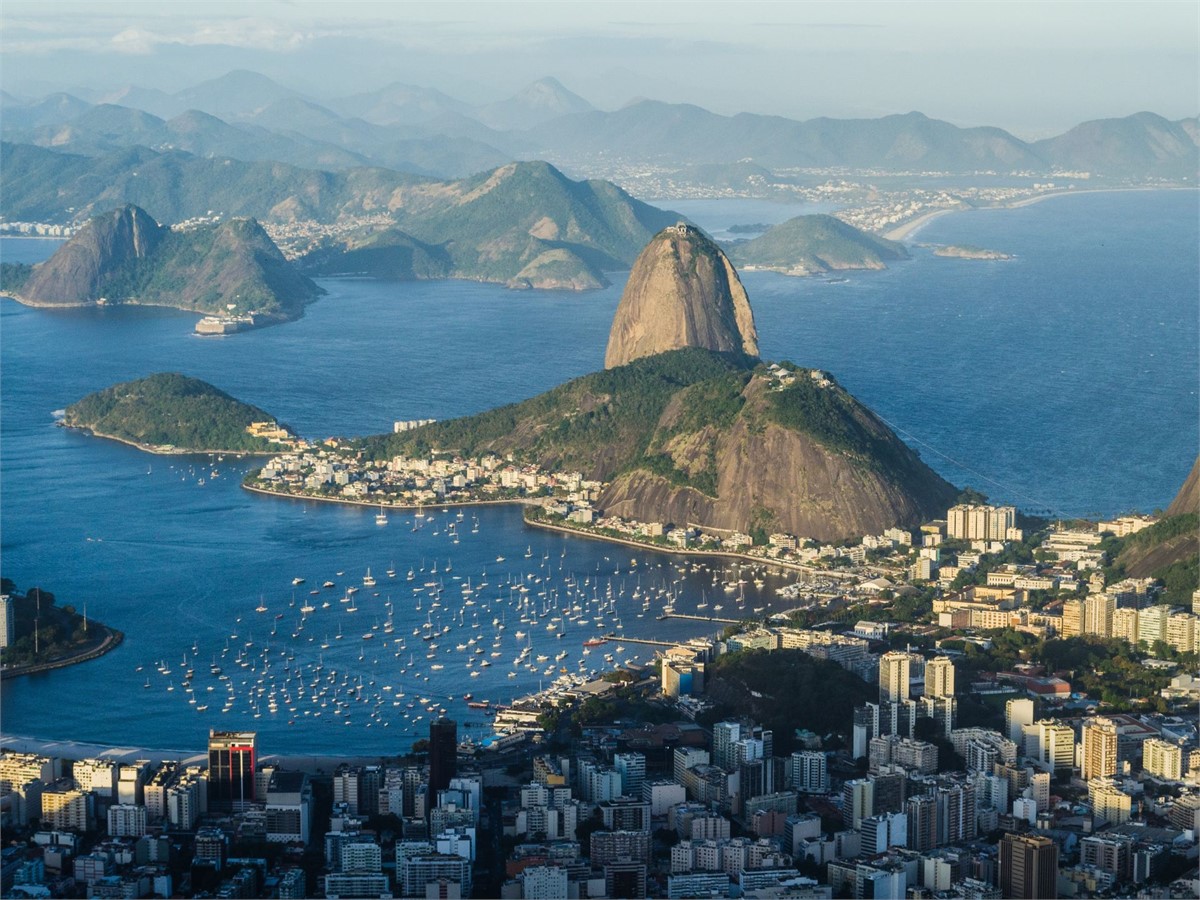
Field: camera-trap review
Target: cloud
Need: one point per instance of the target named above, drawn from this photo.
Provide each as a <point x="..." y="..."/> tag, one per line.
<point x="254" y="34"/>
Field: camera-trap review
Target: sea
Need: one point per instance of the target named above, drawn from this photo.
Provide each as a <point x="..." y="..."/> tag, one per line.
<point x="1063" y="380"/>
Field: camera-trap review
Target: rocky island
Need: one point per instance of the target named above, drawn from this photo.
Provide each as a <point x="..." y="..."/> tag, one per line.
<point x="969" y="252"/>
<point x="172" y="413"/>
<point x="230" y="269"/>
<point x="816" y="245"/>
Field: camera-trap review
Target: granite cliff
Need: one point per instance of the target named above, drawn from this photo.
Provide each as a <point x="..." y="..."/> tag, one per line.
<point x="681" y="292"/>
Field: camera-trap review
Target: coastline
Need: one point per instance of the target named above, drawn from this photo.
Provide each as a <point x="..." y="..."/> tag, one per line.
<point x="164" y="449"/>
<point x="76" y="750"/>
<point x="514" y="501"/>
<point x="683" y="551"/>
<point x="910" y="228"/>
<point x="111" y="640"/>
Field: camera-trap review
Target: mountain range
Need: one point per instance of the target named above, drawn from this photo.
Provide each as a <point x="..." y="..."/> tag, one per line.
<point x="420" y="130"/>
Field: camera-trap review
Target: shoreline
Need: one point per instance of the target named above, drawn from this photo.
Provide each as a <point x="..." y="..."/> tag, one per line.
<point x="159" y="449"/>
<point x="908" y="229"/>
<point x="516" y="501"/>
<point x="76" y="750"/>
<point x="681" y="551"/>
<point x="111" y="641"/>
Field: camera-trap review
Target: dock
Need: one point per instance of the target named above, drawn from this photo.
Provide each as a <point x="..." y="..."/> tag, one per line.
<point x="715" y="619"/>
<point x="628" y="640"/>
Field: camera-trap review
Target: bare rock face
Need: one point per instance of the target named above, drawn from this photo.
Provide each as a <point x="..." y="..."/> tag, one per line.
<point x="782" y="478"/>
<point x="78" y="271"/>
<point x="1188" y="498"/>
<point x="682" y="292"/>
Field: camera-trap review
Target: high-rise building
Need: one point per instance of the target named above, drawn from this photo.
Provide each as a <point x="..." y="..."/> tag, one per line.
<point x="1017" y="714"/>
<point x="725" y="736"/>
<point x="976" y="522"/>
<point x="632" y="767"/>
<point x="1098" y="612"/>
<point x="1125" y="624"/>
<point x="1181" y="632"/>
<point x="443" y="753"/>
<point x="858" y="801"/>
<point x="893" y="676"/>
<point x="808" y="772"/>
<point x="939" y="677"/>
<point x="1072" y="618"/>
<point x="1162" y="759"/>
<point x="1152" y="624"/>
<point x="921" y="813"/>
<point x="1099" y="748"/>
<point x="1028" y="867"/>
<point x="231" y="759"/>
<point x="6" y="620"/>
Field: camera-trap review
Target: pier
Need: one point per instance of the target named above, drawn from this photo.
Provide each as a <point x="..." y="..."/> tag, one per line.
<point x="715" y="619"/>
<point x="628" y="640"/>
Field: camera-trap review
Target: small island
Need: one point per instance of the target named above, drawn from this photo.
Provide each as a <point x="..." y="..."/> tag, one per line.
<point x="172" y="413"/>
<point x="969" y="252"/>
<point x="815" y="245"/>
<point x="47" y="636"/>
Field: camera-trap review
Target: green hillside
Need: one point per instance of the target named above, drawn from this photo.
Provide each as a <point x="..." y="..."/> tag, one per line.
<point x="813" y="244"/>
<point x="169" y="409"/>
<point x="601" y="423"/>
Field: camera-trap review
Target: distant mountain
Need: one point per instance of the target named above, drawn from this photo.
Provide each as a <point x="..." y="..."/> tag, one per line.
<point x="542" y="101"/>
<point x="808" y="245"/>
<point x="234" y="94"/>
<point x="681" y="292"/>
<point x="150" y="100"/>
<point x="54" y="109"/>
<point x="523" y="224"/>
<point x="125" y="256"/>
<point x="169" y="410"/>
<point x="42" y="185"/>
<point x="399" y="103"/>
<point x="547" y="121"/>
<point x="1144" y="143"/>
<point x="689" y="135"/>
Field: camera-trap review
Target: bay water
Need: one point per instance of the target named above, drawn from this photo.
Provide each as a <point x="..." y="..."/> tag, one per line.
<point x="1063" y="380"/>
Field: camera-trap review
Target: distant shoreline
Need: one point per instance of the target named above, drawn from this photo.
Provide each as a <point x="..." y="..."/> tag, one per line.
<point x="908" y="229"/>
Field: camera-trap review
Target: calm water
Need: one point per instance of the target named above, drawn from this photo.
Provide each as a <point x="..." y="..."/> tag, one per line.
<point x="1064" y="379"/>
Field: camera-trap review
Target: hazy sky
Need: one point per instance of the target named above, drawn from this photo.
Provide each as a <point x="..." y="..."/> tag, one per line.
<point x="1034" y="68"/>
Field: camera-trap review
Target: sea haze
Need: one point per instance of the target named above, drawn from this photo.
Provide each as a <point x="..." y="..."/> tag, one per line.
<point x="1063" y="379"/>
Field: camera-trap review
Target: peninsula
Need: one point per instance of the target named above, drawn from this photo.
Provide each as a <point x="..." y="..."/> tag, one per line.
<point x="172" y="413"/>
<point x="47" y="636"/>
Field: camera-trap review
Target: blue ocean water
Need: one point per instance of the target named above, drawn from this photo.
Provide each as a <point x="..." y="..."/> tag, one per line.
<point x="1064" y="379"/>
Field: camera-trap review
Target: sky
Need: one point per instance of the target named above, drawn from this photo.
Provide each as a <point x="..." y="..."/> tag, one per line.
<point x="1033" y="68"/>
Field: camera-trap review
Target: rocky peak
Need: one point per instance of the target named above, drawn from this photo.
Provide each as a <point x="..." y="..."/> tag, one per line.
<point x="78" y="271"/>
<point x="682" y="292"/>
